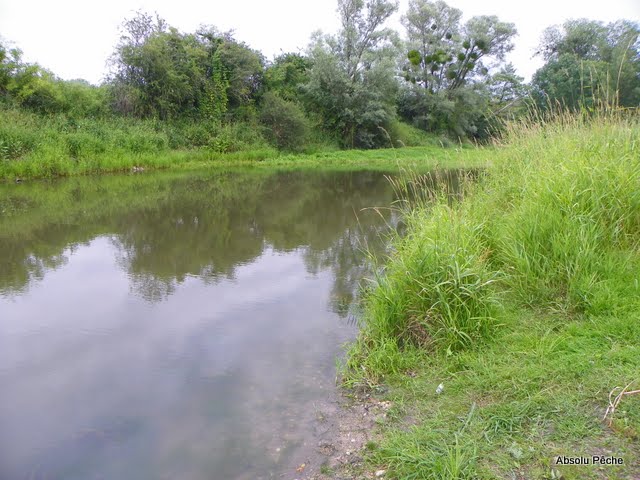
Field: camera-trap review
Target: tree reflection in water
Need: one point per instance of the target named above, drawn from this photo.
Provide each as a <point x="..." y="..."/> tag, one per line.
<point x="168" y="227"/>
<point x="171" y="370"/>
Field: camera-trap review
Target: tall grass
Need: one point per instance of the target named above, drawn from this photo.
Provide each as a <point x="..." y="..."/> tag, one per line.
<point x="43" y="146"/>
<point x="522" y="299"/>
<point x="567" y="192"/>
<point x="553" y="226"/>
<point x="34" y="146"/>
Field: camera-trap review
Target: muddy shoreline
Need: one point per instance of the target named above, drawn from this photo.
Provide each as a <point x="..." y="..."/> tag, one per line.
<point x="342" y="428"/>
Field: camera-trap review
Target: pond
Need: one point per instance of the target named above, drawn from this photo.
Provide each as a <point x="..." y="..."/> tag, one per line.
<point x="177" y="325"/>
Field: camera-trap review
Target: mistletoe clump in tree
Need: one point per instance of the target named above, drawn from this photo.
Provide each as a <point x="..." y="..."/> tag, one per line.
<point x="448" y="64"/>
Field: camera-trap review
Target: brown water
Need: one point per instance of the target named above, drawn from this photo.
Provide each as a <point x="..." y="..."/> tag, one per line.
<point x="176" y="326"/>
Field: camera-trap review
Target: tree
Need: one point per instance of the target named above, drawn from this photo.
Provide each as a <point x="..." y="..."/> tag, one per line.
<point x="129" y="75"/>
<point x="351" y="85"/>
<point x="447" y="67"/>
<point x="9" y="64"/>
<point x="5" y="74"/>
<point x="287" y="74"/>
<point x="442" y="53"/>
<point x="33" y="87"/>
<point x="28" y="85"/>
<point x="161" y="72"/>
<point x="582" y="38"/>
<point x="362" y="36"/>
<point x="506" y="86"/>
<point x="157" y="69"/>
<point x="589" y="63"/>
<point x="433" y="33"/>
<point x="244" y="69"/>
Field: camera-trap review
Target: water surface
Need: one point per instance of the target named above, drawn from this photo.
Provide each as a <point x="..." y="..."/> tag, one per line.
<point x="176" y="325"/>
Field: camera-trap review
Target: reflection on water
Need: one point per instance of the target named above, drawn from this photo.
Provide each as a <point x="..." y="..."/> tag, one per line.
<point x="175" y="325"/>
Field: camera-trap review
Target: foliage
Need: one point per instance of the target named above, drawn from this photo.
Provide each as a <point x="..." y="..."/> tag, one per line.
<point x="34" y="146"/>
<point x="352" y="89"/>
<point x="286" y="75"/>
<point x="405" y="135"/>
<point x="161" y="72"/>
<point x="351" y="84"/>
<point x="506" y="86"/>
<point x="555" y="224"/>
<point x="216" y="100"/>
<point x="445" y="67"/>
<point x="550" y="232"/>
<point x="461" y="113"/>
<point x="244" y="69"/>
<point x="589" y="64"/>
<point x="443" y="54"/>
<point x="286" y="125"/>
<point x="34" y="88"/>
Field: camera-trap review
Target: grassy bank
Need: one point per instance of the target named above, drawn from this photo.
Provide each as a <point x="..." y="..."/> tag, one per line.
<point x="522" y="301"/>
<point x="36" y="146"/>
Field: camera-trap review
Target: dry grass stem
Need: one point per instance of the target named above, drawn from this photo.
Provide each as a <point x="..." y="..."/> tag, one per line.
<point x="614" y="402"/>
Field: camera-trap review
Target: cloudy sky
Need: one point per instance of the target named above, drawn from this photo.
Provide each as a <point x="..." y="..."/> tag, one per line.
<point x="74" y="38"/>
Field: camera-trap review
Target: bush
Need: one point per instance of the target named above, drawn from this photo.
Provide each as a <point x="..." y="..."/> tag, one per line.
<point x="82" y="144"/>
<point x="460" y="113"/>
<point x="196" y="134"/>
<point x="17" y="135"/>
<point x="439" y="292"/>
<point x="286" y="127"/>
<point x="404" y="135"/>
<point x="237" y="137"/>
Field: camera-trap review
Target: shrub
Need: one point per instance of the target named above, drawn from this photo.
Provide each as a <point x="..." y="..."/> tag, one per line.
<point x="286" y="127"/>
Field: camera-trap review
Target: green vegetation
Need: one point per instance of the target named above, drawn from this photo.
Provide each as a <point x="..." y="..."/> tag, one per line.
<point x="447" y="84"/>
<point x="522" y="301"/>
<point x="174" y="97"/>
<point x="34" y="146"/>
<point x="588" y="63"/>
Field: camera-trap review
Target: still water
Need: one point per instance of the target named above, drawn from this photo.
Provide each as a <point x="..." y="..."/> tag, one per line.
<point x="176" y="326"/>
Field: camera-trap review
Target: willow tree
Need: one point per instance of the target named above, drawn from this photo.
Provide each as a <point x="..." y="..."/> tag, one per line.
<point x="351" y="84"/>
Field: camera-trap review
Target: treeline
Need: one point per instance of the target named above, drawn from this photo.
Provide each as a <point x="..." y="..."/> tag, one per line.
<point x="366" y="87"/>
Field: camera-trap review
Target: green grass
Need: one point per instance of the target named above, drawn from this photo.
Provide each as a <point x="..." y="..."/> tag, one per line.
<point x="523" y="301"/>
<point x="34" y="146"/>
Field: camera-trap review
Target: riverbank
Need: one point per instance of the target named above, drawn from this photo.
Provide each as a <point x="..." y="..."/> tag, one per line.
<point x="33" y="146"/>
<point x="419" y="159"/>
<point x="503" y="326"/>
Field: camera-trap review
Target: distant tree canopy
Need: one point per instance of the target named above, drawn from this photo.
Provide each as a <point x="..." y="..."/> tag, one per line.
<point x="352" y="88"/>
<point x="161" y="72"/>
<point x="35" y="88"/>
<point x="589" y="62"/>
<point x="444" y="55"/>
<point x="447" y="67"/>
<point x="287" y="74"/>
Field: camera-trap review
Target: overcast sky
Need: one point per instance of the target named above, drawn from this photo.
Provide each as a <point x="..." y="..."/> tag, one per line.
<point x="74" y="38"/>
